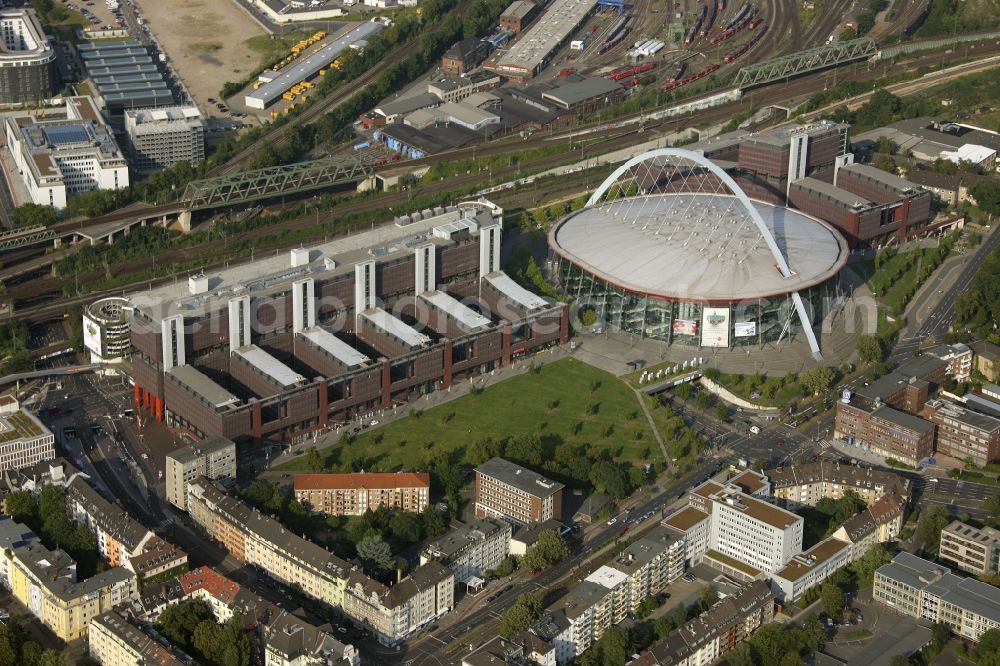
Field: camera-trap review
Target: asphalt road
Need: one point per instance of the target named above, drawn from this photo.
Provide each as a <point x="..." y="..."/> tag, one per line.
<point x="937" y="323"/>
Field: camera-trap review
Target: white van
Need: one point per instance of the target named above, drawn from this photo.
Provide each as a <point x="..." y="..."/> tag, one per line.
<point x="754" y="430"/>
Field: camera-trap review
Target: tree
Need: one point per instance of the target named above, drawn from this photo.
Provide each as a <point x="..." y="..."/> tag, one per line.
<point x="21" y="507"/>
<point x="876" y="556"/>
<point x="406" y="527"/>
<point x="884" y="163"/>
<point x="870" y="349"/>
<point x="929" y="527"/>
<point x="684" y="391"/>
<point x="818" y="380"/>
<point x="703" y="401"/>
<point x="721" y="410"/>
<point x="525" y="611"/>
<point x="314" y="460"/>
<point x="900" y="660"/>
<point x="611" y="478"/>
<point x="525" y="449"/>
<point x="550" y="548"/>
<point x="179" y="621"/>
<point x="940" y="634"/>
<point x="987" y="196"/>
<point x="376" y="554"/>
<point x="741" y="656"/>
<point x="434" y="523"/>
<point x="832" y="598"/>
<point x="31" y="215"/>
<point x="707" y="598"/>
<point x="485" y="449"/>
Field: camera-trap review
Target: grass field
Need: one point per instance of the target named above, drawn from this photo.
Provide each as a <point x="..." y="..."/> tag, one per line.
<point x="568" y="399"/>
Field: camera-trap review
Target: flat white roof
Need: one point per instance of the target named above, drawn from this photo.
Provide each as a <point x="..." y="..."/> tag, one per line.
<point x="270" y="366"/>
<point x="607" y="577"/>
<point x="698" y="247"/>
<point x="307" y="67"/>
<point x="386" y="322"/>
<point x="467" y="318"/>
<point x="515" y="292"/>
<point x="970" y="151"/>
<point x="337" y="348"/>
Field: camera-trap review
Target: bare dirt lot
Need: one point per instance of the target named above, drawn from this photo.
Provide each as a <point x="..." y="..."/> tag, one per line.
<point x="206" y="41"/>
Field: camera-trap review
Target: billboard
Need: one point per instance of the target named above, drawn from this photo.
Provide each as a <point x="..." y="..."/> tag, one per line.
<point x="685" y="327"/>
<point x="744" y="329"/>
<point x="715" y="327"/>
<point x="92" y="336"/>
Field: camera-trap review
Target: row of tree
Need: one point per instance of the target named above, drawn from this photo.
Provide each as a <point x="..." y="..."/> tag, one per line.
<point x="16" y="649"/>
<point x="191" y="626"/>
<point x="978" y="308"/>
<point x="48" y="517"/>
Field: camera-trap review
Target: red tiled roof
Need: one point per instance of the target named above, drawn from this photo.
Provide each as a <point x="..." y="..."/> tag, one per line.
<point x="362" y="480"/>
<point x="210" y="580"/>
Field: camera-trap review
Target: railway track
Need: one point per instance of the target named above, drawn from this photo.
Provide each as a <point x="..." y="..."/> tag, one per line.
<point x="41" y="299"/>
<point x="277" y="137"/>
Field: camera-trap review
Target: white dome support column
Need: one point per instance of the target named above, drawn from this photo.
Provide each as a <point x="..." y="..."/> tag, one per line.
<point x="727" y="180"/>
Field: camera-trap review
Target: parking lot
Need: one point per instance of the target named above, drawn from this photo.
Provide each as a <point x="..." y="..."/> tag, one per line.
<point x="100" y="15"/>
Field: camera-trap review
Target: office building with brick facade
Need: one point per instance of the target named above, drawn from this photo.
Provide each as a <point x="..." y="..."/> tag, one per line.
<point x="286" y="346"/>
<point x="508" y="490"/>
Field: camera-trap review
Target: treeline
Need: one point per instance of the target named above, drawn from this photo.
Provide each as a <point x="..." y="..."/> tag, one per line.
<point x="950" y="17"/>
<point x="978" y="309"/>
<point x="14" y="347"/>
<point x="48" y="517"/>
<point x="191" y="626"/>
<point x="17" y="649"/>
<point x="576" y="465"/>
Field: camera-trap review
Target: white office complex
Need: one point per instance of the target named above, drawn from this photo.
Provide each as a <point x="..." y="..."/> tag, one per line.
<point x="213" y="458"/>
<point x="158" y="138"/>
<point x="754" y="531"/>
<point x="925" y="590"/>
<point x="58" y="158"/>
<point x="24" y="440"/>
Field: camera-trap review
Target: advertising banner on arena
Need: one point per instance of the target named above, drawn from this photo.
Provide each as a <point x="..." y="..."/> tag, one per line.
<point x="745" y="329"/>
<point x="715" y="327"/>
<point x="92" y="336"/>
<point x="685" y="327"/>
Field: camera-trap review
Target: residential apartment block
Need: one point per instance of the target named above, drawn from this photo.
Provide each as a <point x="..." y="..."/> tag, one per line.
<point x="24" y="440"/>
<point x="45" y="582"/>
<point x="283" y="638"/>
<point x="972" y="549"/>
<point x="507" y="490"/>
<point x="705" y="639"/>
<point x="471" y="549"/>
<point x="258" y="539"/>
<point x="925" y="590"/>
<point x="610" y="594"/>
<point x="963" y="433"/>
<point x="959" y="358"/>
<point x="392" y="613"/>
<point x="353" y="494"/>
<point x="114" y="641"/>
<point x="213" y="458"/>
<point x="806" y="484"/>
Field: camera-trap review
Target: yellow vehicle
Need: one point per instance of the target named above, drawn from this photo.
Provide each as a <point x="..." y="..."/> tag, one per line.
<point x="275" y="114"/>
<point x="288" y="96"/>
<point x="307" y="85"/>
<point x="302" y="98"/>
<point x="257" y="84"/>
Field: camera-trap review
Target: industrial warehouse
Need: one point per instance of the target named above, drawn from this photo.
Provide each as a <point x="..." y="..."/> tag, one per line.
<point x="282" y="347"/>
<point x="319" y="58"/>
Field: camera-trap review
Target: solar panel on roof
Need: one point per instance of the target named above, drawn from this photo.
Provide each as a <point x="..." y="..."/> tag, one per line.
<point x="59" y="135"/>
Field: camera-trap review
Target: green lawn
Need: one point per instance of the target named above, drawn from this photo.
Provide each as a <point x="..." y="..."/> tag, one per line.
<point x="568" y="400"/>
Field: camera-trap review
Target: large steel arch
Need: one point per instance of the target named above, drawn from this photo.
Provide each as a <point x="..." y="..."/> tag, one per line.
<point x="740" y="196"/>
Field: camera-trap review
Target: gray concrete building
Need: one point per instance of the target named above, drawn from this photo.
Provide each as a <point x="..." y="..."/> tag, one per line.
<point x="27" y="61"/>
<point x="158" y="138"/>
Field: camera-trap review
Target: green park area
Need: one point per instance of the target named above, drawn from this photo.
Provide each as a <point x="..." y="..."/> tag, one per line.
<point x="566" y="405"/>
